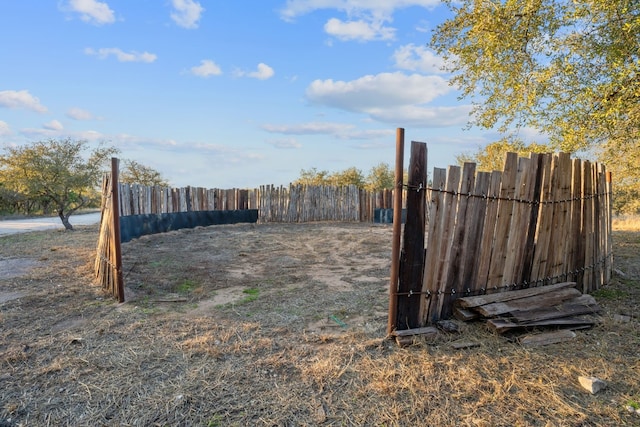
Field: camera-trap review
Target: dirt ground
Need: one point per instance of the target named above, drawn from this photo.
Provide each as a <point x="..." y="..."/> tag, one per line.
<point x="281" y="325"/>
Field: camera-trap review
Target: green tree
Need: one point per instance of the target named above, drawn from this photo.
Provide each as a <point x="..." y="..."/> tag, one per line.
<point x="381" y="177"/>
<point x="491" y="156"/>
<point x="59" y="172"/>
<point x="349" y="176"/>
<point x="312" y="177"/>
<point x="570" y="69"/>
<point x="136" y="173"/>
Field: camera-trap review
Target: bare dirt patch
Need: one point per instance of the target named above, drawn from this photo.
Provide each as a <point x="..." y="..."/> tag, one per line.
<point x="281" y="325"/>
<point x="15" y="267"/>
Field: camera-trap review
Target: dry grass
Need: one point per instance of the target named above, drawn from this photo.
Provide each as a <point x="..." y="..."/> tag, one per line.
<point x="626" y="223"/>
<point x="276" y="355"/>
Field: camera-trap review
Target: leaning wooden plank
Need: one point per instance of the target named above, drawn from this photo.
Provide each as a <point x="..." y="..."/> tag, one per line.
<point x="429" y="330"/>
<point x="565" y="322"/>
<point x="502" y="326"/>
<point x="500" y="256"/>
<point x="547" y="338"/>
<point x="549" y="299"/>
<point x="406" y="337"/>
<point x="566" y="310"/>
<point x="470" y="302"/>
<point x="464" y="314"/>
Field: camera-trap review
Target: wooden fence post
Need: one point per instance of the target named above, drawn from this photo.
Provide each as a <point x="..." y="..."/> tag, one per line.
<point x="117" y="251"/>
<point x="397" y="229"/>
<point x="412" y="258"/>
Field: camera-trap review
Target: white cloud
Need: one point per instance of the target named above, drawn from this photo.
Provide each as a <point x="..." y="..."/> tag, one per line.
<point x="366" y="18"/>
<point x="53" y="125"/>
<point x="380" y="8"/>
<point x="48" y="130"/>
<point x="383" y="90"/>
<point x="39" y="133"/>
<point x="4" y="129"/>
<point x="417" y="116"/>
<point x="371" y="134"/>
<point x="79" y="114"/>
<point x="418" y="58"/>
<point x="337" y="130"/>
<point x="263" y="72"/>
<point x="394" y="98"/>
<point x="120" y="55"/>
<point x="92" y="11"/>
<point x="358" y="30"/>
<point x="206" y="68"/>
<point x="187" y="13"/>
<point x="311" y="128"/>
<point x="21" y="99"/>
<point x="287" y="143"/>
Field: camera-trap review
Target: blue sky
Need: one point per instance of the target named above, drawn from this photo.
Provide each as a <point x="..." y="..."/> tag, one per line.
<point x="231" y="93"/>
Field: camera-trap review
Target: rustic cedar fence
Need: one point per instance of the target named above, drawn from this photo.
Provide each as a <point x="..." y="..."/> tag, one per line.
<point x="108" y="263"/>
<point x="296" y="203"/>
<point x="542" y="220"/>
<point x="275" y="204"/>
<point x="307" y="203"/>
<point x="140" y="199"/>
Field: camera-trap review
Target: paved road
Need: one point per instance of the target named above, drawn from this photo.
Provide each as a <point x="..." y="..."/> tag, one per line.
<point x="37" y="224"/>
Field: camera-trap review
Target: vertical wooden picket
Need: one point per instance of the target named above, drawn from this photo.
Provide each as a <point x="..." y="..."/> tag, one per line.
<point x="503" y="221"/>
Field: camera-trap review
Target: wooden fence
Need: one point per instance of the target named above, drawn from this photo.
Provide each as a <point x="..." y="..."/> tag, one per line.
<point x="108" y="263"/>
<point x="295" y="203"/>
<point x="139" y="199"/>
<point x="302" y="203"/>
<point x="275" y="204"/>
<point x="542" y="220"/>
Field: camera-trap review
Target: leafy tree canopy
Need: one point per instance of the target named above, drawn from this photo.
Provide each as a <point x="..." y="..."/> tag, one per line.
<point x="133" y="172"/>
<point x="349" y="176"/>
<point x="491" y="157"/>
<point x="60" y="172"/>
<point x="380" y="177"/>
<point x="313" y="177"/>
<point x="570" y="69"/>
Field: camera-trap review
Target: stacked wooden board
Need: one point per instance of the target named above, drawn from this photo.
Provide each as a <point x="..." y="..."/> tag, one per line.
<point x="558" y="306"/>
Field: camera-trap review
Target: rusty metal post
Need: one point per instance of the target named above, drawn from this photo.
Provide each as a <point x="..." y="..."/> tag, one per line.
<point x="397" y="230"/>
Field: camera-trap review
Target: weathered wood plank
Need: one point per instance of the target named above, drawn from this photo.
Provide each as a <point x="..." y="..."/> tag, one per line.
<point x="473" y="247"/>
<point x="432" y="242"/>
<point x="475" y="301"/>
<point x="502" y="326"/>
<point x="545" y="217"/>
<point x="528" y="303"/>
<point x="464" y="314"/>
<point x="505" y="213"/>
<point x="459" y="240"/>
<point x="444" y="251"/>
<point x="521" y="232"/>
<point x="567" y="309"/>
<point x="588" y="226"/>
<point x="558" y="246"/>
<point x="523" y="273"/>
<point x="428" y="330"/>
<point x="488" y="232"/>
<point x="412" y="258"/>
<point x="575" y="254"/>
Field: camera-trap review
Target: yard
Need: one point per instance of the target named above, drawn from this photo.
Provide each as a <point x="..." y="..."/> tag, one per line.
<point x="281" y="325"/>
